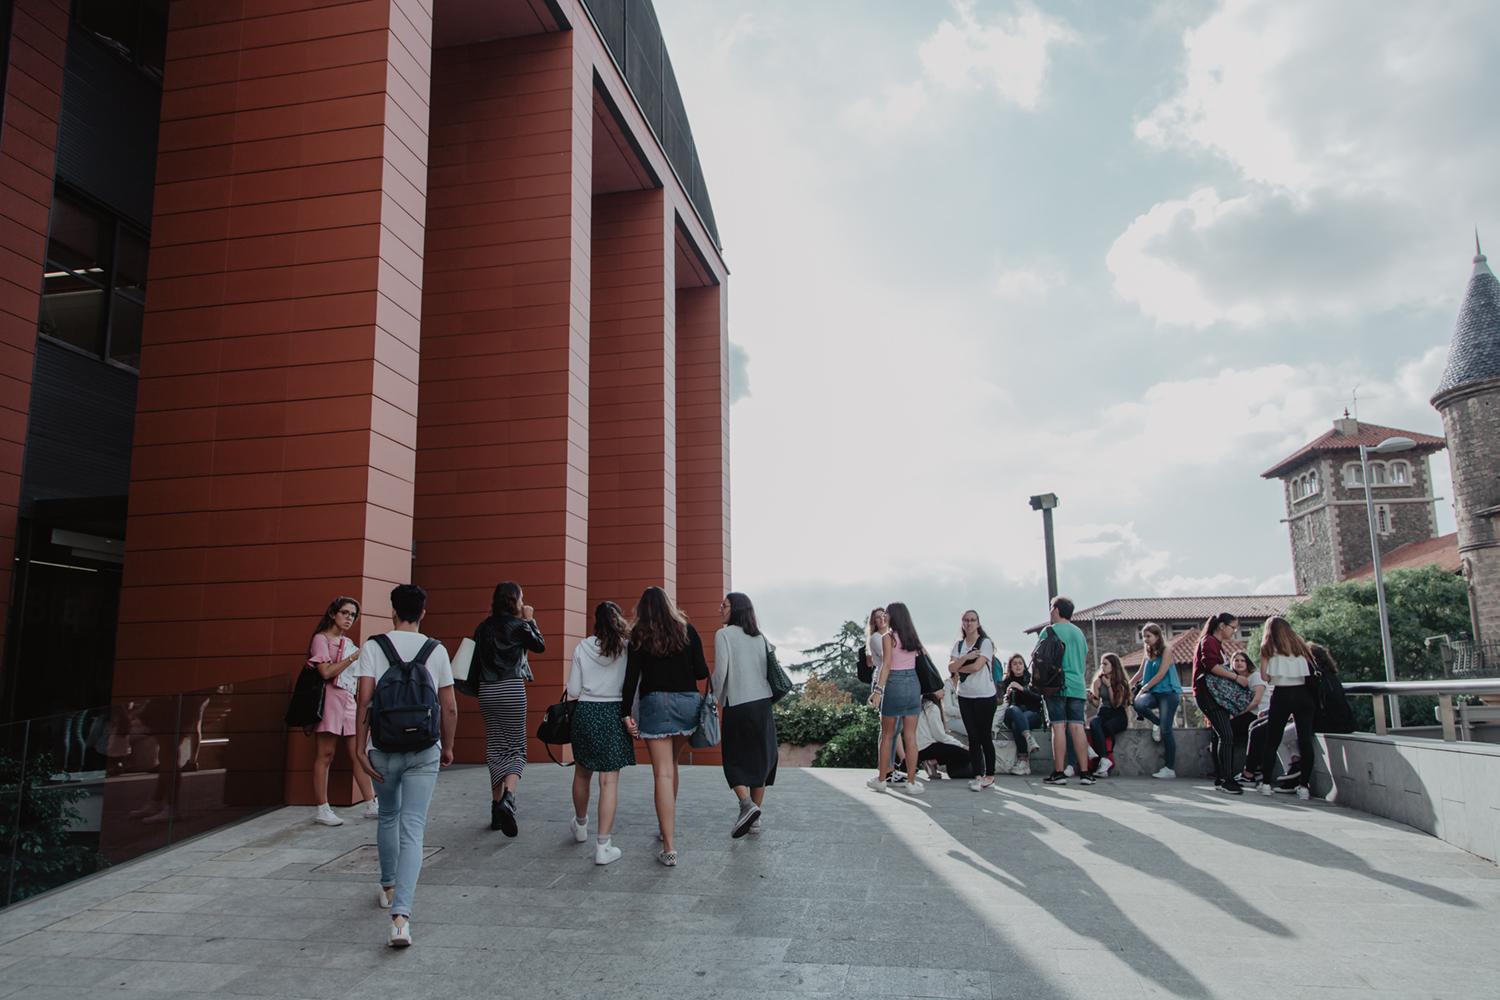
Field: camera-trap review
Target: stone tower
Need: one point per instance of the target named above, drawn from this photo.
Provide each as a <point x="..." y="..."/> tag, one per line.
<point x="1325" y="500"/>
<point x="1468" y="398"/>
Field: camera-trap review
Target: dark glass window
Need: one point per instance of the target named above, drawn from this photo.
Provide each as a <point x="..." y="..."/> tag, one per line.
<point x="94" y="289"/>
<point x="136" y="29"/>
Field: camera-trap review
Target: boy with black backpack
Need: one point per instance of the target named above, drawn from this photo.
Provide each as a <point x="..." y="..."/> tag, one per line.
<point x="406" y="723"/>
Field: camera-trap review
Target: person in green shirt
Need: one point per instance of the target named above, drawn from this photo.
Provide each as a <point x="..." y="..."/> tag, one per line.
<point x="1066" y="707"/>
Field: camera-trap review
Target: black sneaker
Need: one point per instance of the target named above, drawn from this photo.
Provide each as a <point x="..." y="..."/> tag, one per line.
<point x="507" y="814"/>
<point x="1231" y="787"/>
<point x="1087" y="779"/>
<point x="495" y="811"/>
<point x="1055" y="778"/>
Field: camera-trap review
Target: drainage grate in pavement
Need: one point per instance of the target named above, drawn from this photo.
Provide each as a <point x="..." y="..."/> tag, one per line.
<point x="364" y="860"/>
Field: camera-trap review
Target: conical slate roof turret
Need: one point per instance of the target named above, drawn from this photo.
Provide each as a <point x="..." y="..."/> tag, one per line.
<point x="1474" y="357"/>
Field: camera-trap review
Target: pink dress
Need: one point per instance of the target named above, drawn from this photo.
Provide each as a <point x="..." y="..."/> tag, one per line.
<point x="338" y="696"/>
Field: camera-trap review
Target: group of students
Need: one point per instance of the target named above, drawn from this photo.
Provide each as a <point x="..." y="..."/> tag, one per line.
<point x="629" y="680"/>
<point x="1254" y="700"/>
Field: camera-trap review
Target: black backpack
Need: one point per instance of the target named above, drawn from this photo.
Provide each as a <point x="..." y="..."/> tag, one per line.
<point x="864" y="668"/>
<point x="1047" y="662"/>
<point x="404" y="716"/>
<point x="1334" y="714"/>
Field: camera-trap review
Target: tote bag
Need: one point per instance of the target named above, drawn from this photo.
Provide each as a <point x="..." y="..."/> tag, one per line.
<point x="706" y="733"/>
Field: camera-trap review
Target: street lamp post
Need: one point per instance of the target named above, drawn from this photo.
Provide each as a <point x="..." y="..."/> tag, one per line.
<point x="1386" y="447"/>
<point x="1044" y="502"/>
<point x="1094" y="632"/>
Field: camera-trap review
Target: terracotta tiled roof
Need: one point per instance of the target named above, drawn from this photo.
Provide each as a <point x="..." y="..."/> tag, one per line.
<point x="1441" y="551"/>
<point x="1167" y="609"/>
<point x="1180" y="650"/>
<point x="1365" y="434"/>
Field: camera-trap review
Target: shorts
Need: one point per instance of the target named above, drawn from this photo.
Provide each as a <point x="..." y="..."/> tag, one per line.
<point x="1064" y="710"/>
<point x="902" y="695"/>
<point x="668" y="713"/>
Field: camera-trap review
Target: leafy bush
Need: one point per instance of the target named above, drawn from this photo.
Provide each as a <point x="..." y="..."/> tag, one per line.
<point x="800" y="721"/>
<point x="46" y="853"/>
<point x="855" y="745"/>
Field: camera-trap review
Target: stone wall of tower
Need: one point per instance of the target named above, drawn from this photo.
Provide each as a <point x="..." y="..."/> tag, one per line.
<point x="1412" y="518"/>
<point x="1471" y="421"/>
<point x="1310" y="525"/>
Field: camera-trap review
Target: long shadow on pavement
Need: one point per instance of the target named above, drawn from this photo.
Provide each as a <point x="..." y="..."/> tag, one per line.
<point x="1249" y="829"/>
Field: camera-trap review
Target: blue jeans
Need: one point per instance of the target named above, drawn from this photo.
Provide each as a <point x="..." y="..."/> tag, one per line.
<point x="1160" y="709"/>
<point x="404" y="797"/>
<point x="1019" y="721"/>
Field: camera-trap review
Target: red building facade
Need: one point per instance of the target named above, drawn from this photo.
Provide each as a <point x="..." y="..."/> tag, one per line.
<point x="434" y="294"/>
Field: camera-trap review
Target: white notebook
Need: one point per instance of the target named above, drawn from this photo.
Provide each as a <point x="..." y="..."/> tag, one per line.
<point x="462" y="659"/>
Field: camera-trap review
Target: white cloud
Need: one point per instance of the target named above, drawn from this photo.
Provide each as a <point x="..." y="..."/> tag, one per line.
<point x="1362" y="134"/>
<point x="1006" y="56"/>
<point x="1027" y="283"/>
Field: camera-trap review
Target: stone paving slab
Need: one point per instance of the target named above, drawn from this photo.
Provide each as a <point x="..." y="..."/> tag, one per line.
<point x="1132" y="888"/>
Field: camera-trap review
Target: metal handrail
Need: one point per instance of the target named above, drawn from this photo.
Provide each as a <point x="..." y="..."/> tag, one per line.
<point x="1453" y="728"/>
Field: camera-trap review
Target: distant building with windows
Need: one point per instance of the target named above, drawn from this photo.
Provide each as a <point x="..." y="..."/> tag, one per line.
<point x="1326" y="517"/>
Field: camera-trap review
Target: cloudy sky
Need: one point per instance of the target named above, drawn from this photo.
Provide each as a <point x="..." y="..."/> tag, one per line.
<point x="1131" y="254"/>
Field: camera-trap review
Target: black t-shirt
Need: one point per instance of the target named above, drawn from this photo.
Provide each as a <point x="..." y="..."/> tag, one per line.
<point x="680" y="671"/>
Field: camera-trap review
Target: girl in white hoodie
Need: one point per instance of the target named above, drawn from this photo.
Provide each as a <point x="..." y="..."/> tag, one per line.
<point x="600" y="743"/>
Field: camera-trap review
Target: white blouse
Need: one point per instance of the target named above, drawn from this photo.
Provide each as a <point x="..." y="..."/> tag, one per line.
<point x="1286" y="670"/>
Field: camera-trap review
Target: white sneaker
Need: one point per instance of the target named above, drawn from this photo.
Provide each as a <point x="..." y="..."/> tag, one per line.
<point x="975" y="786"/>
<point x="1105" y="766"/>
<point x="1266" y="789"/>
<point x="326" y="816"/>
<point x="386" y="895"/>
<point x="372" y="810"/>
<point x="1068" y="771"/>
<point x="755" y="827"/>
<point x="1156" y="734"/>
<point x="1166" y="773"/>
<point x="1031" y="743"/>
<point x="1021" y="767"/>
<point x="912" y="788"/>
<point x="400" y="935"/>
<point x="580" y="832"/>
<point x="605" y="854"/>
<point x="1303" y="793"/>
<point x="875" y="785"/>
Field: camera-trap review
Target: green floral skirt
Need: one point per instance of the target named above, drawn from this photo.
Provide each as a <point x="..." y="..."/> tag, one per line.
<point x="600" y="742"/>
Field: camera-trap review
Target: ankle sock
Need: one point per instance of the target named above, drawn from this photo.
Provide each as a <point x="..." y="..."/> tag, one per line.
<point x="581" y="820"/>
<point x="602" y="841"/>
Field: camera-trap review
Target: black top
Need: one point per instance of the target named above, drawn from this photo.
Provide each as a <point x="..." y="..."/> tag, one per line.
<point x="501" y="644"/>
<point x="679" y="672"/>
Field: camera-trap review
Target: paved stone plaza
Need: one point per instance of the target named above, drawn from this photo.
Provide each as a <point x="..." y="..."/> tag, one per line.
<point x="1131" y="888"/>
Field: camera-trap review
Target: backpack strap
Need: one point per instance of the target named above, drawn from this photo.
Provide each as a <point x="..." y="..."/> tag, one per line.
<point x="389" y="649"/>
<point x="424" y="652"/>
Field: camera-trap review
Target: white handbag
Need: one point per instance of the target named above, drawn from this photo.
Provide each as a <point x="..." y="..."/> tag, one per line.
<point x="462" y="659"/>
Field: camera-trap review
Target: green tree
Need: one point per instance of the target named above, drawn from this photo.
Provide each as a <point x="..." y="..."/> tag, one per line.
<point x="1345" y="618"/>
<point x="837" y="660"/>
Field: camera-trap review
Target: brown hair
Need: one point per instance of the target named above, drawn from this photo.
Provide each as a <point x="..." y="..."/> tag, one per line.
<point x="1157" y="648"/>
<point x="1119" y="687"/>
<point x="1280" y="639"/>
<point x="610" y="629"/>
<point x="326" y="622"/>
<point x="660" y="628"/>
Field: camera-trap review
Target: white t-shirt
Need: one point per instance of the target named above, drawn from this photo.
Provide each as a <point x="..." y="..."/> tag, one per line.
<point x="876" y="647"/>
<point x="372" y="662"/>
<point x="981" y="683"/>
<point x="1257" y="681"/>
<point x="1286" y="669"/>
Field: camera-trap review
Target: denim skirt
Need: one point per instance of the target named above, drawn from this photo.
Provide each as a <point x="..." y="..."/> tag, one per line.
<point x="903" y="695"/>
<point x="668" y="713"/>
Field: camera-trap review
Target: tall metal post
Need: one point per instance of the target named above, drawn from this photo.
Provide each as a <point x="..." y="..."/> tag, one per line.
<point x="1385" y="622"/>
<point x="1051" y="553"/>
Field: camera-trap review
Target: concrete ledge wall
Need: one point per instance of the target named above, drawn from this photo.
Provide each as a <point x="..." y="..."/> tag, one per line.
<point x="1137" y="755"/>
<point x="1450" y="790"/>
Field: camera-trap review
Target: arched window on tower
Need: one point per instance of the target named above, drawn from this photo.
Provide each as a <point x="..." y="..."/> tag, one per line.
<point x="1353" y="475"/>
<point x="1400" y="473"/>
<point x="1312" y="482"/>
<point x="1377" y="474"/>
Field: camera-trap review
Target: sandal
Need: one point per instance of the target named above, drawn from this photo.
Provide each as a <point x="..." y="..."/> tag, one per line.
<point x="668" y="858"/>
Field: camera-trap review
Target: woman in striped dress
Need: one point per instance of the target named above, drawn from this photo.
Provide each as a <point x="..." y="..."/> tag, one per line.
<point x="501" y="643"/>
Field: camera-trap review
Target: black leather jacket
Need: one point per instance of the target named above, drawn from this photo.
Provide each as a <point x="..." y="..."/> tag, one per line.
<point x="501" y="644"/>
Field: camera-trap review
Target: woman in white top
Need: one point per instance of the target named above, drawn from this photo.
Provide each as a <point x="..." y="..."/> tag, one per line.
<point x="332" y="652"/>
<point x="969" y="663"/>
<point x="936" y="746"/>
<point x="748" y="726"/>
<point x="1286" y="664"/>
<point x="600" y="743"/>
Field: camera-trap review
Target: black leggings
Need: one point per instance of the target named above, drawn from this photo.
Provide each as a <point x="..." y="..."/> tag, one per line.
<point x="1221" y="739"/>
<point x="979" y="718"/>
<point x="1109" y="722"/>
<point x="1293" y="701"/>
<point x="954" y="759"/>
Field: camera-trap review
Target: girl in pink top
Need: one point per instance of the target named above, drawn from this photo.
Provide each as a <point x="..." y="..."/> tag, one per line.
<point x="332" y="652"/>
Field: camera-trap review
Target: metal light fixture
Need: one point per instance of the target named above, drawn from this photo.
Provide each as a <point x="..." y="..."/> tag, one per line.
<point x="1389" y="446"/>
